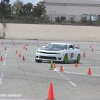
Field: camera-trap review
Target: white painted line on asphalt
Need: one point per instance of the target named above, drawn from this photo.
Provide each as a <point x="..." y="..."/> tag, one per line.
<point x="29" y="58"/>
<point x="1" y="76"/>
<point x="81" y="67"/>
<point x="72" y="83"/>
<point x="5" y="55"/>
<point x="4" y="62"/>
<point x="7" y="51"/>
<point x="69" y="80"/>
<point x="31" y="51"/>
<point x="0" y="80"/>
<point x="66" y="78"/>
<point x="56" y="70"/>
<point x="95" y="75"/>
<point x="76" y="73"/>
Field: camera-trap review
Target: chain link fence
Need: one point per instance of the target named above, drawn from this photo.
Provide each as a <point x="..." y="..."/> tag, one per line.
<point x="52" y="19"/>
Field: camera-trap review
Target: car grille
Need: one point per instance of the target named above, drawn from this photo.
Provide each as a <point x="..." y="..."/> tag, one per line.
<point x="48" y="52"/>
<point x="46" y="57"/>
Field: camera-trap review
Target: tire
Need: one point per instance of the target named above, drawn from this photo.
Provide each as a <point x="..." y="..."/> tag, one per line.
<point x="38" y="61"/>
<point x="78" y="58"/>
<point x="65" y="59"/>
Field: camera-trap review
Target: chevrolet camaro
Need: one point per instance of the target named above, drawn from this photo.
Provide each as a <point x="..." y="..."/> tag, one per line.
<point x="58" y="52"/>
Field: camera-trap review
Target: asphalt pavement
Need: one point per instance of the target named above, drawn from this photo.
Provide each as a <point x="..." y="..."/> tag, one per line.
<point x="28" y="80"/>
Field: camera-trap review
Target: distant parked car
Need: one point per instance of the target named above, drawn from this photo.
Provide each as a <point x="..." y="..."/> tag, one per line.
<point x="60" y="52"/>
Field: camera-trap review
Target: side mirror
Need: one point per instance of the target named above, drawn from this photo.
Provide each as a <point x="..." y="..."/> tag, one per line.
<point x="70" y="48"/>
<point x="43" y="46"/>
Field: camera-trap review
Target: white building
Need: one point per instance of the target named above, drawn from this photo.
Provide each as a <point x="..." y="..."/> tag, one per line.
<point x="75" y="8"/>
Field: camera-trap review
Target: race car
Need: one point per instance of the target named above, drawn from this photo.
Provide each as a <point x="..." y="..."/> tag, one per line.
<point x="58" y="52"/>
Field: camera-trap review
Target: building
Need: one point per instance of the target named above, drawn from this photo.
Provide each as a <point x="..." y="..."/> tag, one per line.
<point x="75" y="9"/>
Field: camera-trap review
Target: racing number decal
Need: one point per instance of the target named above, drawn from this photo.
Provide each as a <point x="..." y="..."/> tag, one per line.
<point x="72" y="54"/>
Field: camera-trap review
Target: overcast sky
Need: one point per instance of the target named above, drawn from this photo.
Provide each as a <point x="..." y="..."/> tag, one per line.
<point x="26" y="1"/>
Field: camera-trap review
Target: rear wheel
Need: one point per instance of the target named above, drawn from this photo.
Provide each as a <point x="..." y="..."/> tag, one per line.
<point x="66" y="59"/>
<point x="78" y="58"/>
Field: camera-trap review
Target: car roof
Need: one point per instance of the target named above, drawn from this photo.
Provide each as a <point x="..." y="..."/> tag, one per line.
<point x="61" y="43"/>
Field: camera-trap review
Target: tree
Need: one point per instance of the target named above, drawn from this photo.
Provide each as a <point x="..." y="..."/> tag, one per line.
<point x="29" y="7"/>
<point x="26" y="9"/>
<point x="58" y="19"/>
<point x="23" y="11"/>
<point x="17" y="5"/>
<point x="5" y="8"/>
<point x="39" y="9"/>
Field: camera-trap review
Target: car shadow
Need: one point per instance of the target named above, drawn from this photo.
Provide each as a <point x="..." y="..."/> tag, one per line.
<point x="48" y="62"/>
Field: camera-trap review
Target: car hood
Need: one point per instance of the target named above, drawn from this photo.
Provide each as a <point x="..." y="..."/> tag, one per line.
<point x="49" y="51"/>
<point x="46" y="49"/>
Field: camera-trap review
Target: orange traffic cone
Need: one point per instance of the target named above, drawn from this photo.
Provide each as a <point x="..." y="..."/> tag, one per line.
<point x="54" y="65"/>
<point x="23" y="47"/>
<point x="37" y="41"/>
<point x="44" y="42"/>
<point x="14" y="44"/>
<point x="26" y="44"/>
<point x="92" y="49"/>
<point x="89" y="71"/>
<point x="78" y="45"/>
<point x="5" y="48"/>
<point x="61" y="69"/>
<point x="76" y="64"/>
<point x="50" y="93"/>
<point x="1" y="58"/>
<point x="16" y="52"/>
<point x="23" y="59"/>
<point x="19" y="55"/>
<point x="2" y="43"/>
<point x="84" y="54"/>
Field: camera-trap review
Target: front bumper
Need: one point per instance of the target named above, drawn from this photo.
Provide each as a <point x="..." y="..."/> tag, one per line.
<point x="49" y="57"/>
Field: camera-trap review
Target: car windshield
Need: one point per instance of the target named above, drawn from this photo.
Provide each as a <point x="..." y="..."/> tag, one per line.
<point x="56" y="46"/>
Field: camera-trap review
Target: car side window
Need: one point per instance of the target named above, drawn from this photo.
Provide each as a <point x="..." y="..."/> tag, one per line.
<point x="70" y="46"/>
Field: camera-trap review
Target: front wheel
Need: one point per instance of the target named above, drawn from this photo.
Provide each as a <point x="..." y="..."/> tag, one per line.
<point x="66" y="59"/>
<point x="78" y="58"/>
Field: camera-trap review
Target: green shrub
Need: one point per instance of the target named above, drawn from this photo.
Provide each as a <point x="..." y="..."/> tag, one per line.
<point x="57" y="19"/>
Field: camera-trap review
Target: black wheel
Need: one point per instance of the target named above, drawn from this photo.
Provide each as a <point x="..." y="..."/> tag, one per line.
<point x="66" y="59"/>
<point x="78" y="58"/>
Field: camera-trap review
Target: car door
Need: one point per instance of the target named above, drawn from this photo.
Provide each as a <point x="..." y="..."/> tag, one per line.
<point x="71" y="52"/>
